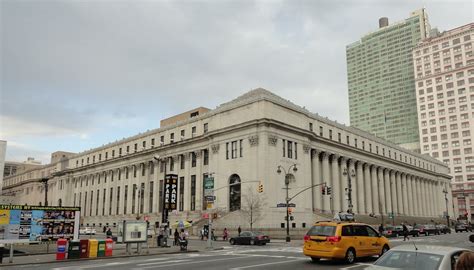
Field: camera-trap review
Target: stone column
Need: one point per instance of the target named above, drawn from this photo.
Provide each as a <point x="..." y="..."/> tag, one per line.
<point x="419" y="200"/>
<point x="360" y="188"/>
<point x="368" y="189"/>
<point x="400" y="201"/>
<point x="411" y="198"/>
<point x="388" y="191"/>
<point x="394" y="191"/>
<point x="433" y="201"/>
<point x="381" y="184"/>
<point x="424" y="197"/>
<point x="375" y="189"/>
<point x="336" y="195"/>
<point x="404" y="193"/>
<point x="352" y="168"/>
<point x="316" y="179"/>
<point x="325" y="157"/>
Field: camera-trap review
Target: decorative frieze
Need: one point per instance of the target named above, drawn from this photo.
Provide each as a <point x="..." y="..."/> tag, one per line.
<point x="272" y="140"/>
<point x="253" y="140"/>
<point x="306" y="148"/>
<point x="215" y="148"/>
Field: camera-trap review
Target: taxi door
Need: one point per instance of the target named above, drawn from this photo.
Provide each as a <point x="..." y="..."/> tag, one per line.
<point x="374" y="241"/>
<point x="362" y="240"/>
<point x="351" y="239"/>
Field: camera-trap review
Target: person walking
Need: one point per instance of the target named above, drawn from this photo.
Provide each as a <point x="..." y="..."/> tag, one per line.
<point x="405" y="232"/>
<point x="381" y="229"/>
<point x="176" y="237"/>
<point x="226" y="234"/>
<point x="109" y="233"/>
<point x="239" y="230"/>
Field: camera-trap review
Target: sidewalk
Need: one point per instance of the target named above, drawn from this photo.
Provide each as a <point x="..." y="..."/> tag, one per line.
<point x="117" y="253"/>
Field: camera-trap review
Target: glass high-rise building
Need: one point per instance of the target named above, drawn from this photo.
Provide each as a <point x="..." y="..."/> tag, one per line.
<point x="382" y="98"/>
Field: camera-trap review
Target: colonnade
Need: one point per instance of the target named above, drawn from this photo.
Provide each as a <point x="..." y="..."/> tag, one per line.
<point x="373" y="188"/>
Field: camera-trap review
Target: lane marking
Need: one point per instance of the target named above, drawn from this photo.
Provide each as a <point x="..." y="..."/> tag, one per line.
<point x="262" y="264"/>
<point x="191" y="262"/>
<point x="156" y="263"/>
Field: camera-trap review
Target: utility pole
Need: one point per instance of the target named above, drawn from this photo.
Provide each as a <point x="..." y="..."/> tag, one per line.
<point x="287" y="184"/>
<point x="349" y="189"/>
<point x="446" y="199"/>
<point x="44" y="181"/>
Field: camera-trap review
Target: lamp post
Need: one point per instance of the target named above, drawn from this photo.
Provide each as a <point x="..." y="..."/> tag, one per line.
<point x="349" y="189"/>
<point x="44" y="181"/>
<point x="287" y="183"/>
<point x="139" y="200"/>
<point x="164" y="215"/>
<point x="446" y="199"/>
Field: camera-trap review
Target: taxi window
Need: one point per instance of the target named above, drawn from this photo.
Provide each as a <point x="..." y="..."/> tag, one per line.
<point x="347" y="230"/>
<point x="322" y="231"/>
<point x="371" y="232"/>
<point x="359" y="230"/>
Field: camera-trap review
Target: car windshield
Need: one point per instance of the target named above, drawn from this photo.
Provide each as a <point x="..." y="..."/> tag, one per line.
<point x="410" y="260"/>
<point x="319" y="230"/>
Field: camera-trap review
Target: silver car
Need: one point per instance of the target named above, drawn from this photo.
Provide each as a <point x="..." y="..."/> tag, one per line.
<point x="419" y="257"/>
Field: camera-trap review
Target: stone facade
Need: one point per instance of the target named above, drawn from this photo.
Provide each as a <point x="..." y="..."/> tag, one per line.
<point x="245" y="139"/>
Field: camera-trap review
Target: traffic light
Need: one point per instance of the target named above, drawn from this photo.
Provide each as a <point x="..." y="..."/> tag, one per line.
<point x="328" y="191"/>
<point x="260" y="188"/>
<point x="323" y="190"/>
<point x="290" y="211"/>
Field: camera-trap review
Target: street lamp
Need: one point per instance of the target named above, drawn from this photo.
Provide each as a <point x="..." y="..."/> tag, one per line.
<point x="446" y="199"/>
<point x="349" y="188"/>
<point x="139" y="200"/>
<point x="287" y="183"/>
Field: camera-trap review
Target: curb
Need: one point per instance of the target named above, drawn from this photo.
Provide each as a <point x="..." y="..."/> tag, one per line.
<point x="98" y="258"/>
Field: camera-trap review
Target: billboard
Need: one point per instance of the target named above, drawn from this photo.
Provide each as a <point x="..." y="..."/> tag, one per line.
<point x="171" y="189"/>
<point x="38" y="223"/>
<point x="134" y="231"/>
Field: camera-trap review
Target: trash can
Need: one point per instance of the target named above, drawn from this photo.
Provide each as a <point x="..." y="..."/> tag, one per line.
<point x="101" y="248"/>
<point x="2" y="250"/>
<point x="74" y="249"/>
<point x="84" y="243"/>
<point x="61" y="249"/>
<point x="93" y="247"/>
<point x="109" y="245"/>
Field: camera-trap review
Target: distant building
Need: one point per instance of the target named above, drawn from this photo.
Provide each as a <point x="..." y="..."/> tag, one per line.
<point x="444" y="69"/>
<point x="241" y="144"/>
<point x="381" y="80"/>
<point x="13" y="167"/>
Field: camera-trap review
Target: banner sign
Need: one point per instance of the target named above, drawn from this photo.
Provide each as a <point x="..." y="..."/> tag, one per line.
<point x="171" y="189"/>
<point x="38" y="223"/>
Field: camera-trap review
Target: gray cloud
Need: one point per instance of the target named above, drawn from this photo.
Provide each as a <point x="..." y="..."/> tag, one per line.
<point x="81" y="65"/>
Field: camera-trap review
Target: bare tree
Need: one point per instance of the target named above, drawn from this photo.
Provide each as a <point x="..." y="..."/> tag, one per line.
<point x="252" y="208"/>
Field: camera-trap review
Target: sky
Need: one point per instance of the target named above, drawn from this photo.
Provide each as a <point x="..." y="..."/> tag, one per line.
<point x="79" y="74"/>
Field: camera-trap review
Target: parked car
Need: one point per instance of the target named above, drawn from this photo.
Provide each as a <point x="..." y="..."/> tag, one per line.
<point x="419" y="257"/>
<point x="343" y="240"/>
<point x="443" y="229"/>
<point x="392" y="231"/>
<point x="461" y="227"/>
<point x="471" y="238"/>
<point x="87" y="231"/>
<point x="250" y="238"/>
<point x="427" y="229"/>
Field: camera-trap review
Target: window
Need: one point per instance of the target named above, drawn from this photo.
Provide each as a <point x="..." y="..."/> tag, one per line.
<point x="284" y="143"/>
<point x="125" y="199"/>
<point x="193" y="159"/>
<point x="135" y="147"/>
<point x="181" y="194"/>
<point x="193" y="192"/>
<point x="234" y="149"/>
<point x="311" y="126"/>
<point x="320" y="131"/>
<point x="227" y="150"/>
<point x="339" y="137"/>
<point x="290" y="149"/>
<point x="171" y="164"/>
<point x="162" y="140"/>
<point x="206" y="154"/>
<point x="206" y="127"/>
<point x="152" y="142"/>
<point x="172" y="138"/>
<point x="241" y="148"/>
<point x="150" y="201"/>
<point x="182" y="134"/>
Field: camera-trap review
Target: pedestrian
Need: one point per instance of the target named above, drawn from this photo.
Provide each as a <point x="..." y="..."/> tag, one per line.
<point x="226" y="234"/>
<point x="104" y="229"/>
<point x="239" y="230"/>
<point x="405" y="232"/>
<point x="160" y="236"/>
<point x="176" y="237"/>
<point x="381" y="229"/>
<point x="213" y="237"/>
<point x="465" y="261"/>
<point x="109" y="233"/>
<point x="202" y="234"/>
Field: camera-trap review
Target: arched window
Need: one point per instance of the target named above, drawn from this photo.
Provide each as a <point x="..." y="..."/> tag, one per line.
<point x="60" y="202"/>
<point x="234" y="193"/>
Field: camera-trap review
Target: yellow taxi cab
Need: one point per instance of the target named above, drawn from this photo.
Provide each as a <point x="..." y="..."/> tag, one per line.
<point x="343" y="240"/>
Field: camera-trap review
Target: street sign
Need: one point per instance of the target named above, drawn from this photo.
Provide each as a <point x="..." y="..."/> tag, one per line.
<point x="209" y="206"/>
<point x="171" y="187"/>
<point x="284" y="205"/>
<point x="210" y="199"/>
<point x="208" y="192"/>
<point x="209" y="183"/>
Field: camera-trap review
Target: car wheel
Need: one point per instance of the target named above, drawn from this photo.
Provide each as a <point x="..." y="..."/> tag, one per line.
<point x="384" y="250"/>
<point x="350" y="256"/>
<point x="232" y="241"/>
<point x="252" y="242"/>
<point x="315" y="259"/>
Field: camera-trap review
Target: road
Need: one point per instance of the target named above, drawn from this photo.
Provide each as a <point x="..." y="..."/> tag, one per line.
<point x="273" y="256"/>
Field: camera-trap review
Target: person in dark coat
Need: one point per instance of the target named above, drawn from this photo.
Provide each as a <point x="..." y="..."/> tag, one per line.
<point x="239" y="230"/>
<point x="381" y="229"/>
<point x="176" y="237"/>
<point x="405" y="232"/>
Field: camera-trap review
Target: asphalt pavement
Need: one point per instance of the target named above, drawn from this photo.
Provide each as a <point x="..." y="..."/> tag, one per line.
<point x="272" y="256"/>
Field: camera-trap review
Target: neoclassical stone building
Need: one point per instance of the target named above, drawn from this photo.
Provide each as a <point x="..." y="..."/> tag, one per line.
<point x="243" y="141"/>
